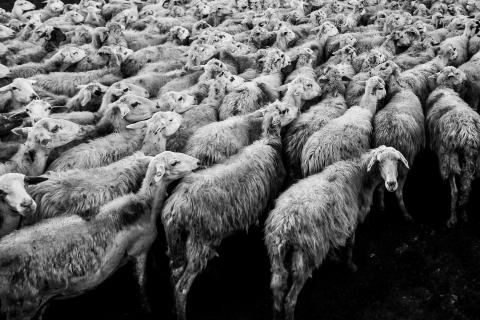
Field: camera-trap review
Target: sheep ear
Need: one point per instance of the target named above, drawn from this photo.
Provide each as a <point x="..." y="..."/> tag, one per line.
<point x="402" y="158"/>
<point x="18" y="115"/>
<point x="137" y="125"/>
<point x="372" y="162"/>
<point x="5" y="89"/>
<point x="34" y="180"/>
<point x="23" y="132"/>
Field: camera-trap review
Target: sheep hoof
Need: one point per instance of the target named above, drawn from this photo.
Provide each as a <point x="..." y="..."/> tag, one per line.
<point x="464" y="216"/>
<point x="452" y="222"/>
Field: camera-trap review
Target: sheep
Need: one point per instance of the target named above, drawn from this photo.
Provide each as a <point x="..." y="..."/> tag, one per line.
<point x="471" y="92"/>
<point x="209" y="205"/>
<point x="321" y="213"/>
<point x="118" y="90"/>
<point x="137" y="60"/>
<point x="44" y="136"/>
<point x="330" y="107"/>
<point x="20" y="7"/>
<point x="110" y="148"/>
<point x="389" y="71"/>
<point x="15" y="202"/>
<point x="88" y="98"/>
<point x="346" y="136"/>
<point x="454" y="135"/>
<point x="255" y="94"/>
<point x="17" y="94"/>
<point x="62" y="59"/>
<point x="217" y="141"/>
<point x="302" y="89"/>
<point x="79" y="190"/>
<point x="34" y="111"/>
<point x="194" y="116"/>
<point x="66" y="82"/>
<point x="401" y="125"/>
<point x="458" y="45"/>
<point x="122" y="230"/>
<point x="343" y="61"/>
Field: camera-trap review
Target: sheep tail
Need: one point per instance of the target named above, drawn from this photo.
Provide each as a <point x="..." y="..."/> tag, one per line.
<point x="277" y="250"/>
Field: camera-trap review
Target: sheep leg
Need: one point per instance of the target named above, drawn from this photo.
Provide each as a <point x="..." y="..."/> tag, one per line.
<point x="141" y="270"/>
<point x="278" y="283"/>
<point x="350" y="244"/>
<point x="453" y="202"/>
<point x="300" y="275"/>
<point x="465" y="189"/>
<point x="381" y="199"/>
<point x="401" y="203"/>
<point x="198" y="255"/>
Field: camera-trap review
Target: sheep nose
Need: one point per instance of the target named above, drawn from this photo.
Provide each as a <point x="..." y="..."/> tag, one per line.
<point x="391" y="184"/>
<point x="26" y="203"/>
<point x="34" y="97"/>
<point x="45" y="141"/>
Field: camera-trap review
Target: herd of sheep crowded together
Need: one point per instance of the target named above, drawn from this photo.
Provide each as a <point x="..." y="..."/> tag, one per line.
<point x="285" y="114"/>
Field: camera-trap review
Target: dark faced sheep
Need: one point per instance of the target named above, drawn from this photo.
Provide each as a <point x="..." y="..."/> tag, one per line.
<point x="209" y="205"/>
<point x="321" y="213"/>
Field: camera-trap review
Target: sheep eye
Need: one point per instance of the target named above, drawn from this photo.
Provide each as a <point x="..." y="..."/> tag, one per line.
<point x="55" y="129"/>
<point x="14" y="88"/>
<point x="174" y="163"/>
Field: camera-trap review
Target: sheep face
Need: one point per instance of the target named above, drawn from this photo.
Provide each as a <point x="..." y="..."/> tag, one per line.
<point x="134" y="108"/>
<point x="37" y="110"/>
<point x="376" y="86"/>
<point x="169" y="166"/>
<point x="21" y="7"/>
<point x="387" y="159"/>
<point x="231" y="81"/>
<point x="451" y="77"/>
<point x="242" y="5"/>
<point x="407" y="37"/>
<point x="386" y="70"/>
<point x="52" y="133"/>
<point x="180" y="33"/>
<point x="6" y="32"/>
<point x="327" y="29"/>
<point x="70" y="55"/>
<point x="472" y="27"/>
<point x="120" y="89"/>
<point x="285" y="114"/>
<point x="305" y="57"/>
<point x="304" y="87"/>
<point x="199" y="54"/>
<point x="275" y="60"/>
<point x="21" y="90"/>
<point x="347" y="53"/>
<point x="448" y="52"/>
<point x="55" y="6"/>
<point x="286" y="34"/>
<point x="318" y="17"/>
<point x="75" y="17"/>
<point x="14" y="199"/>
<point x="81" y="35"/>
<point x="179" y="102"/>
<point x="89" y="92"/>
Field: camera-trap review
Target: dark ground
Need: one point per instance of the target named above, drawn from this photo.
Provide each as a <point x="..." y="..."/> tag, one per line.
<point x="406" y="271"/>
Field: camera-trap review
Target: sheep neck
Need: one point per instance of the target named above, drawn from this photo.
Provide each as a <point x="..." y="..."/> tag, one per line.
<point x="153" y="145"/>
<point x="159" y="200"/>
<point x="370" y="181"/>
<point x="369" y="102"/>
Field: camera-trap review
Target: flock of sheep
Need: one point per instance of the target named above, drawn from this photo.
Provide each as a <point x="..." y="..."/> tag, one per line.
<point x="284" y="114"/>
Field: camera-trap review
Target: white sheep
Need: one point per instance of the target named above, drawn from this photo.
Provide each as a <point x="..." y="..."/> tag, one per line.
<point x="321" y="213"/>
<point x="345" y="137"/>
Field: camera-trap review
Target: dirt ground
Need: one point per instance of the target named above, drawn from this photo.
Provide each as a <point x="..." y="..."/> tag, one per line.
<point x="420" y="270"/>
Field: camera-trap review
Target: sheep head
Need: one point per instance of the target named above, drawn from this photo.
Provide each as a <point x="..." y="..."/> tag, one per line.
<point x="133" y="108"/>
<point x="160" y="126"/>
<point x="14" y="199"/>
<point x="200" y="54"/>
<point x="20" y="7"/>
<point x="179" y="102"/>
<point x="69" y="55"/>
<point x="451" y="77"/>
<point x="122" y="88"/>
<point x="317" y="17"/>
<point x="50" y="133"/>
<point x="80" y="35"/>
<point x="387" y="159"/>
<point x="472" y="27"/>
<point x="388" y="71"/>
<point x="35" y="110"/>
<point x="375" y="86"/>
<point x="54" y="6"/>
<point x="180" y="33"/>
<point x="21" y="90"/>
<point x="302" y="88"/>
<point x="408" y="36"/>
<point x="326" y="30"/>
<point x="6" y="32"/>
<point x="274" y="61"/>
<point x="331" y="80"/>
<point x="347" y="53"/>
<point x="91" y="91"/>
<point x="170" y="166"/>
